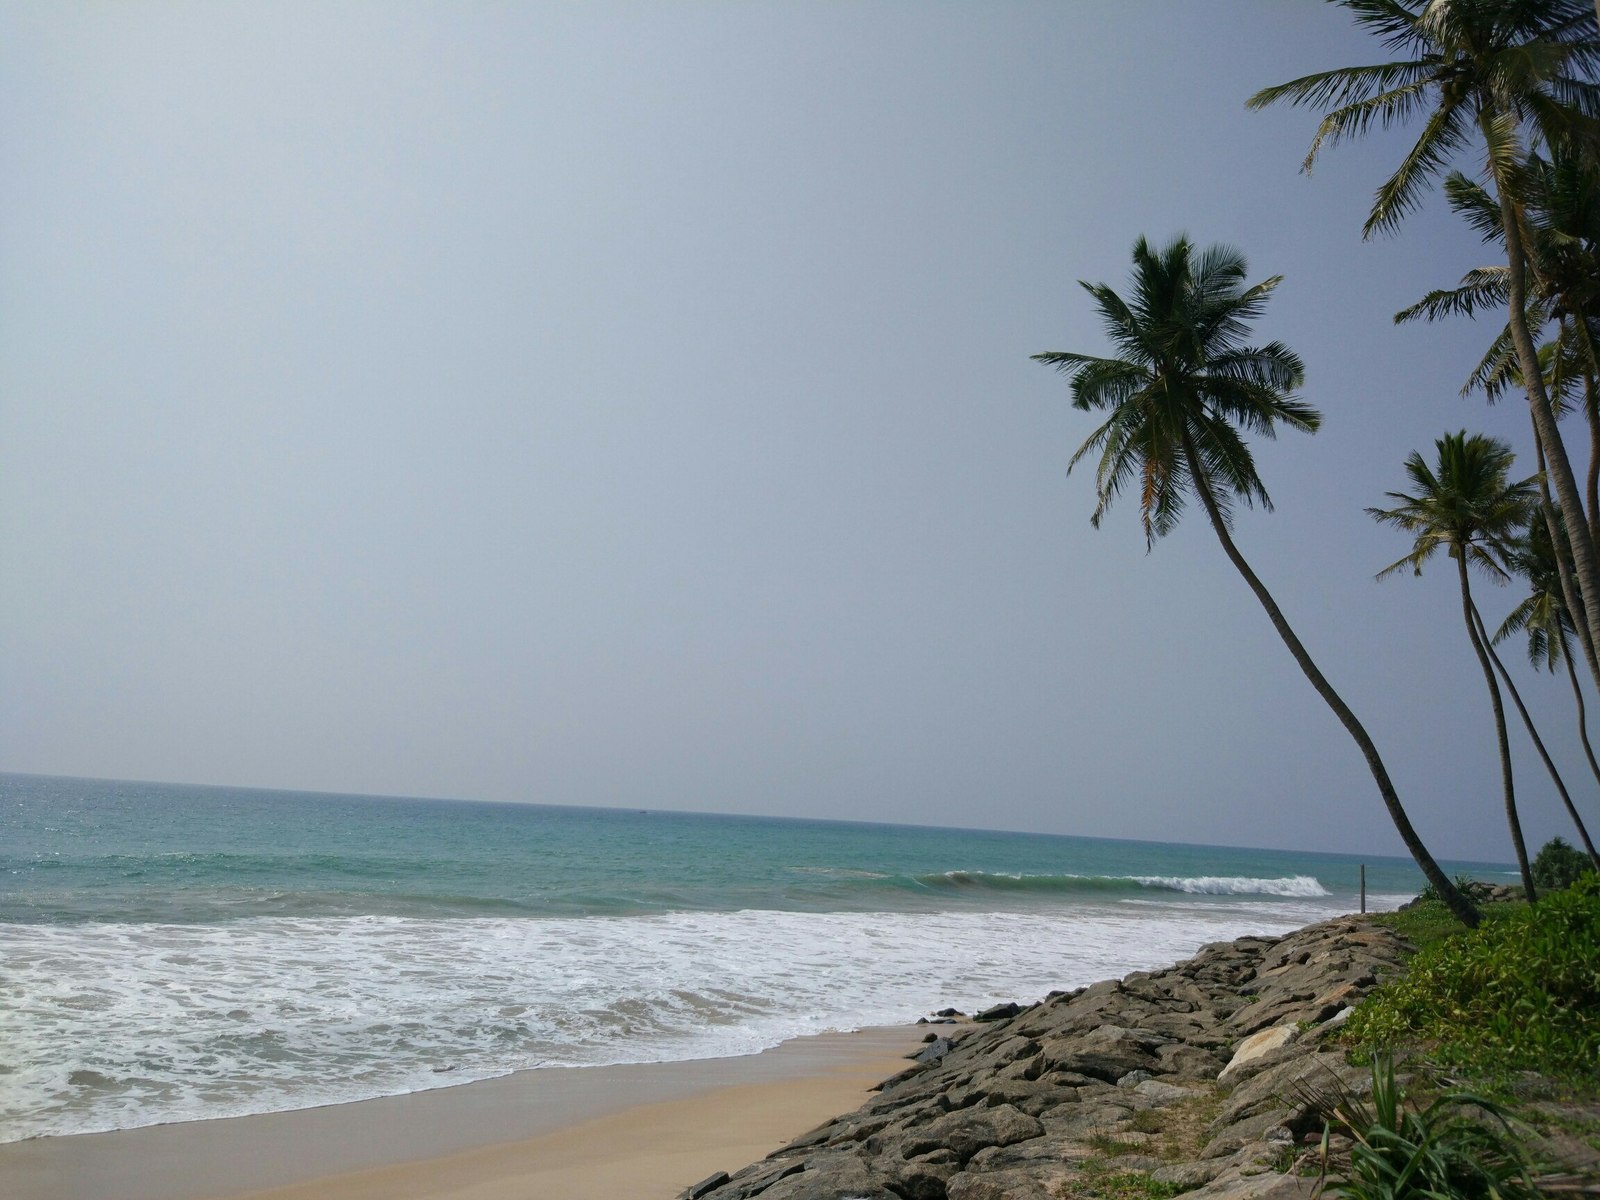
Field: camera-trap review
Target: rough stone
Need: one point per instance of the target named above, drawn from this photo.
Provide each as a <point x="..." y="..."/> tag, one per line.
<point x="999" y="1012"/>
<point x="842" y="1177"/>
<point x="1257" y="1045"/>
<point x="970" y="1130"/>
<point x="999" y="1185"/>
<point x="709" y="1184"/>
<point x="1161" y="1094"/>
<point x="1012" y="1109"/>
<point x="933" y="1051"/>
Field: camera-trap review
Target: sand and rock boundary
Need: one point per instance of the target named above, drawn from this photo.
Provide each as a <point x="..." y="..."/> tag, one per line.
<point x="1179" y="1078"/>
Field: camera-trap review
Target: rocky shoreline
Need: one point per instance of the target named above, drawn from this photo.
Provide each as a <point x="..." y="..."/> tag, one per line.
<point x="1178" y="1078"/>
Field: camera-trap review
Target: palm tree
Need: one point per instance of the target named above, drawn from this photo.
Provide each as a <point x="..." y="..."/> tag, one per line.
<point x="1562" y="210"/>
<point x="1468" y="508"/>
<point x="1543" y="616"/>
<point x="1500" y="72"/>
<point x="1181" y="386"/>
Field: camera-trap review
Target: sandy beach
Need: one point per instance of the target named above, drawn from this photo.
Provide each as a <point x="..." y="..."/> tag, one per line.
<point x="643" y="1131"/>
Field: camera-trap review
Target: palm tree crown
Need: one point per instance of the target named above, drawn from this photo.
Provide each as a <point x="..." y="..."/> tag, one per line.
<point x="1497" y="65"/>
<point x="1182" y="380"/>
<point x="1466" y="506"/>
<point x="1542" y="613"/>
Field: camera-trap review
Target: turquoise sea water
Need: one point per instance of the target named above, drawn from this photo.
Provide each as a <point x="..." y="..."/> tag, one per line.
<point x="178" y="952"/>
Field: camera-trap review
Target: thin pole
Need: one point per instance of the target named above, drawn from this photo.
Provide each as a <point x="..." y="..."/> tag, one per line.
<point x="1363" y="887"/>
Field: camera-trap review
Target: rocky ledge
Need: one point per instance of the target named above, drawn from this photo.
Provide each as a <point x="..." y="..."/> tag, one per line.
<point x="1186" y="1076"/>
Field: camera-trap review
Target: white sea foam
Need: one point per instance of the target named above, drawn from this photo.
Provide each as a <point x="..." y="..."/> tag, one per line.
<point x="113" y="1026"/>
<point x="1236" y="885"/>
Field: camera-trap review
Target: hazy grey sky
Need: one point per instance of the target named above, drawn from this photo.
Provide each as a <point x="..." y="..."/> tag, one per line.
<point x="630" y="404"/>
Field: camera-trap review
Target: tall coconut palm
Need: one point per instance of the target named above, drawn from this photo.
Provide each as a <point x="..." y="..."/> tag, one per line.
<point x="1543" y="616"/>
<point x="1561" y="207"/>
<point x="1501" y="73"/>
<point x="1467" y="507"/>
<point x="1180" y="387"/>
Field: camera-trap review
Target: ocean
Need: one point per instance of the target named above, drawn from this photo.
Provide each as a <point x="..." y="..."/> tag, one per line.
<point x="173" y="953"/>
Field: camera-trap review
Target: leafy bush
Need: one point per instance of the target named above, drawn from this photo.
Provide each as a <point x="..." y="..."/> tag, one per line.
<point x="1461" y="1147"/>
<point x="1426" y="922"/>
<point x="1473" y="889"/>
<point x="1519" y="993"/>
<point x="1558" y="865"/>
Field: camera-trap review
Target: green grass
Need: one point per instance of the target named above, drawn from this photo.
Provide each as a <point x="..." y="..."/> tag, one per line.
<point x="1148" y="1120"/>
<point x="1103" y="1181"/>
<point x="1112" y="1146"/>
<point x="1428" y="922"/>
<point x="1519" y="993"/>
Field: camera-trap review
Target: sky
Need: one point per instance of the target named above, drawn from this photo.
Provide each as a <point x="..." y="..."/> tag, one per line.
<point x="630" y="404"/>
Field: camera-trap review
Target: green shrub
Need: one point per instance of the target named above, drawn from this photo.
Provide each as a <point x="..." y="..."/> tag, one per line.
<point x="1461" y="1147"/>
<point x="1427" y="922"/>
<point x="1473" y="889"/>
<point x="1521" y="992"/>
<point x="1558" y="865"/>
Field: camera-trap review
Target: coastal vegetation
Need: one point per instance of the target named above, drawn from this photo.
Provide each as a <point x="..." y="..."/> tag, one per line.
<point x="1460" y="1145"/>
<point x="1559" y="865"/>
<point x="1519" y="994"/>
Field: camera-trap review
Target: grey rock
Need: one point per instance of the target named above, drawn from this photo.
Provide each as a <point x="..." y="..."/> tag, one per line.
<point x="1258" y="1045"/>
<point x="999" y="1185"/>
<point x="921" y="1178"/>
<point x="1162" y="1094"/>
<point x="999" y="1012"/>
<point x="1269" y="1185"/>
<point x="972" y="1129"/>
<point x="1108" y="1052"/>
<point x="752" y="1181"/>
<point x="1190" y="1174"/>
<point x="709" y="1184"/>
<point x="1338" y="1018"/>
<point x="1185" y="1061"/>
<point x="933" y="1051"/>
<point x="841" y="1177"/>
<point x="1084" y="1120"/>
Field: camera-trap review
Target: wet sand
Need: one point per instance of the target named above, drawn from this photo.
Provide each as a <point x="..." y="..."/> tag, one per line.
<point x="596" y="1133"/>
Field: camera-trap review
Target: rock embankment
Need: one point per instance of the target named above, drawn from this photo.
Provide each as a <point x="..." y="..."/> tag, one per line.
<point x="1186" y="1076"/>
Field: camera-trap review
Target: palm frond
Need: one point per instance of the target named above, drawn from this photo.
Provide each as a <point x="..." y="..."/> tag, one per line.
<point x="1443" y="136"/>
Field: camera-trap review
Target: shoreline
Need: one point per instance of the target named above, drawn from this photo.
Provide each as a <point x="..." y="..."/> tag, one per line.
<point x="561" y="1133"/>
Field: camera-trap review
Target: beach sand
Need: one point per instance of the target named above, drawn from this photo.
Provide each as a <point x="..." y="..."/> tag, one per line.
<point x="639" y="1132"/>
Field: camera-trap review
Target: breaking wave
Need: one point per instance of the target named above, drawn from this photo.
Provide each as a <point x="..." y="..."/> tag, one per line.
<point x="1297" y="887"/>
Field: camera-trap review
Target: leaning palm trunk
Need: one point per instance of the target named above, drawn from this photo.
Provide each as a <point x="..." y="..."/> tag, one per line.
<point x="1508" y="787"/>
<point x="1562" y="549"/>
<point x="1583" y="729"/>
<point x="1544" y="422"/>
<point x="1458" y="904"/>
<point x="1533" y="734"/>
<point x="1591" y="483"/>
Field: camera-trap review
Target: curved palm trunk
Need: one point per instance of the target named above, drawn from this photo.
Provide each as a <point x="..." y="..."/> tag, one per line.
<point x="1591" y="483"/>
<point x="1506" y="784"/>
<point x="1533" y="734"/>
<point x="1544" y="420"/>
<point x="1452" y="896"/>
<point x="1558" y="540"/>
<point x="1583" y="728"/>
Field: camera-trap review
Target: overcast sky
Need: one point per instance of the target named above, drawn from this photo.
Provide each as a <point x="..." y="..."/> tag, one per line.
<point x="630" y="404"/>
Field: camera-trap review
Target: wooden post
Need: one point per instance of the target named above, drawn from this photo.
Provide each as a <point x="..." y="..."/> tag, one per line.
<point x="1363" y="887"/>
